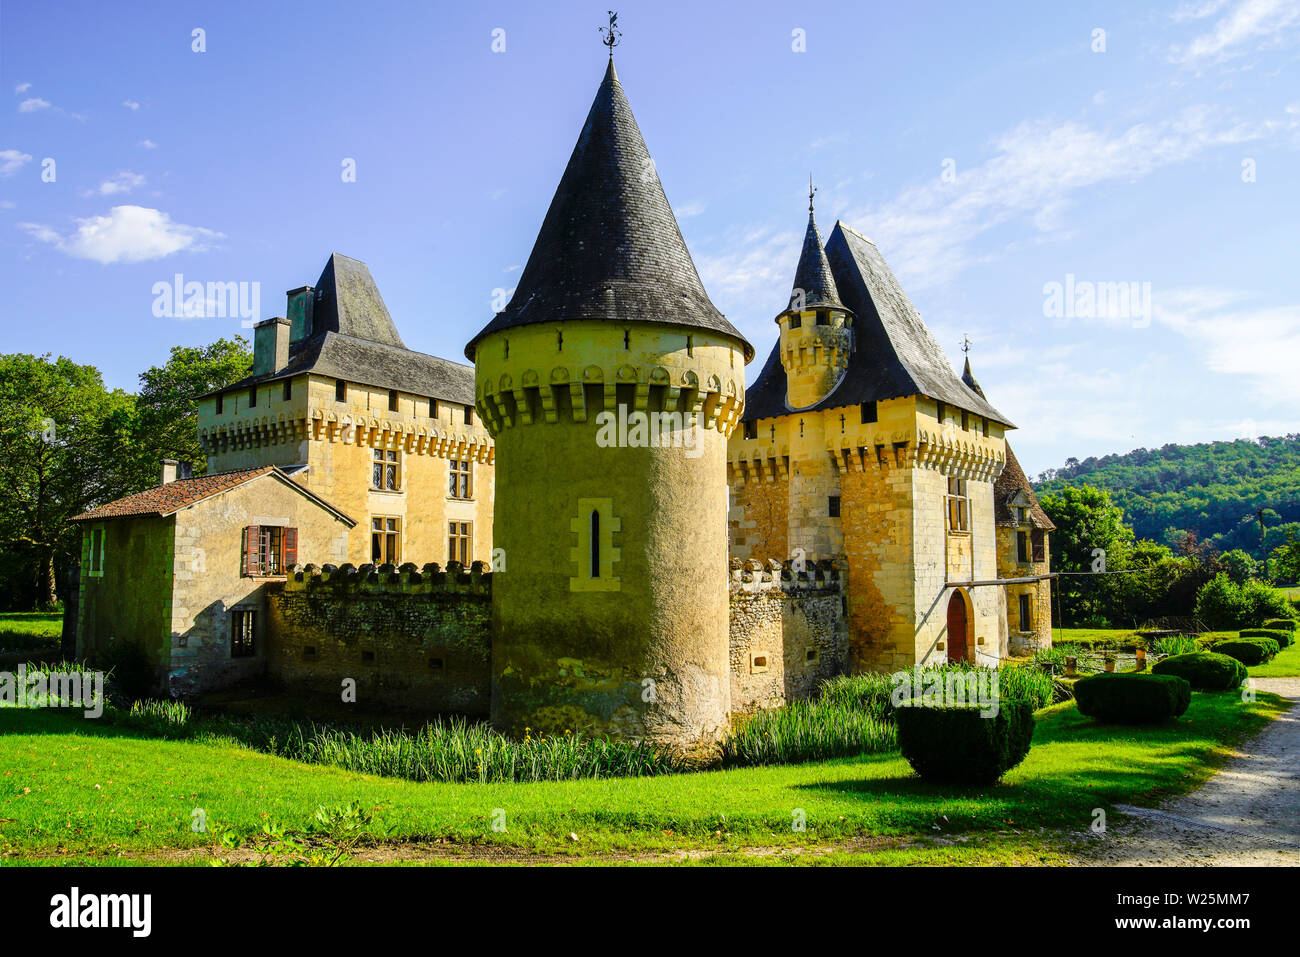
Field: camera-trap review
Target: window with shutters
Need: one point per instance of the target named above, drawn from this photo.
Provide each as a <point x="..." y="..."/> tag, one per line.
<point x="1022" y="547"/>
<point x="243" y="633"/>
<point x="386" y="470"/>
<point x="459" y="475"/>
<point x="269" y="550"/>
<point x="385" y="540"/>
<point x="460" y="542"/>
<point x="1026" y="620"/>
<point x="1039" y="544"/>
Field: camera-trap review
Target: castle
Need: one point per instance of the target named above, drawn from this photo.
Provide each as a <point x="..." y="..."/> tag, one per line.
<point x="635" y="542"/>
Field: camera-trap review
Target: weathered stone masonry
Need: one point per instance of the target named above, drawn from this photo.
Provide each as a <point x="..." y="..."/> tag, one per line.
<point x="413" y="639"/>
<point x="420" y="639"/>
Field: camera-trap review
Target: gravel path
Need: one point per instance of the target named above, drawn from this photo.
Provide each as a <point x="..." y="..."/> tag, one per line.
<point x="1247" y="813"/>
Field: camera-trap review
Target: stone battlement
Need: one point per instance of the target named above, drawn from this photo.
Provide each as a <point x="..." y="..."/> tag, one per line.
<point x="406" y="579"/>
<point x="754" y="576"/>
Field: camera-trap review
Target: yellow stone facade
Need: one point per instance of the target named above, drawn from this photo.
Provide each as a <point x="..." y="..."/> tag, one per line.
<point x="306" y="423"/>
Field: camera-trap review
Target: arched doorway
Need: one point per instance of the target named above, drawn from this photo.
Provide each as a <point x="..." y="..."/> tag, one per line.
<point x="958" y="628"/>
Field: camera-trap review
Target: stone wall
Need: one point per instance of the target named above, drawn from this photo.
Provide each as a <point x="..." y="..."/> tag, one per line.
<point x="412" y="639"/>
<point x="787" y="632"/>
<point x="1039" y="634"/>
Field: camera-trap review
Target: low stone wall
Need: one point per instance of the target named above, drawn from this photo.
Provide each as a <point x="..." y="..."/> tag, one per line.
<point x="788" y="632"/>
<point x="413" y="639"/>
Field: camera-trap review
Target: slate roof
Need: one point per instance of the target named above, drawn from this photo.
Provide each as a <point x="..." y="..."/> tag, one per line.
<point x="813" y="274"/>
<point x="348" y="302"/>
<point x="163" y="500"/>
<point x="1011" y="481"/>
<point x="894" y="354"/>
<point x="354" y="338"/>
<point x="610" y="247"/>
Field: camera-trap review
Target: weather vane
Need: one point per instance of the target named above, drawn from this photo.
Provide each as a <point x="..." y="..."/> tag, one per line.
<point x="811" y="190"/>
<point x="965" y="344"/>
<point x="611" y="36"/>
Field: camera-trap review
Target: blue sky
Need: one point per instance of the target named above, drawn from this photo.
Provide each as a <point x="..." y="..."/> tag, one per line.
<point x="988" y="152"/>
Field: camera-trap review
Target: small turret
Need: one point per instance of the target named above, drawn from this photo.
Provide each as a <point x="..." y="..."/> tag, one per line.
<point x="816" y="328"/>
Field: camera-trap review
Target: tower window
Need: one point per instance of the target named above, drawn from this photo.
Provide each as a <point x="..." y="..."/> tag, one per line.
<point x="595" y="543"/>
<point x="433" y="408"/>
<point x="340" y="390"/>
<point x="595" y="557"/>
<point x="458" y="542"/>
<point x="965" y="421"/>
<point x="690" y="345"/>
<point x="833" y="506"/>
<point x="458" y="478"/>
<point x="958" y="506"/>
<point x="392" y="400"/>
<point x="469" y="415"/>
<point x="823" y="317"/>
<point x="868" y="412"/>
<point x="252" y="396"/>
<point x="385" y="471"/>
<point x="288" y="389"/>
<point x="751" y="430"/>
<point x="1039" y="545"/>
<point x="796" y="321"/>
<point x="220" y="402"/>
<point x="986" y="428"/>
<point x="1025" y="618"/>
<point x="559" y="340"/>
<point x="1022" y="547"/>
<point x="507" y="343"/>
<point x="941" y="412"/>
<point x="627" y="339"/>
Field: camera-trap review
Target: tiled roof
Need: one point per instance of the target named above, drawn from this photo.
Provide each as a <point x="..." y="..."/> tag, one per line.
<point x="163" y="500"/>
<point x="609" y="247"/>
<point x="894" y="354"/>
<point x="1011" y="481"/>
<point x="348" y="302"/>
<point x="813" y="275"/>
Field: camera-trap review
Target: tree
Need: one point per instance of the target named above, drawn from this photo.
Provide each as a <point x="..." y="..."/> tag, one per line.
<point x="63" y="447"/>
<point x="167" y="406"/>
<point x="1087" y="520"/>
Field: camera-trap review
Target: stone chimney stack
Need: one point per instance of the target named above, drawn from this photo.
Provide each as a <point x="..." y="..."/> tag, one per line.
<point x="168" y="471"/>
<point x="270" y="346"/>
<point x="299" y="311"/>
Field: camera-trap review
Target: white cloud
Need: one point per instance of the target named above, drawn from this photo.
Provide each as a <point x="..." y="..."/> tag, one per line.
<point x="123" y="181"/>
<point x="1248" y="26"/>
<point x="1258" y="343"/>
<point x="22" y="88"/>
<point x="131" y="104"/>
<point x="33" y="104"/>
<point x="126" y="234"/>
<point x="1037" y="167"/>
<point x="686" y="210"/>
<point x="11" y="161"/>
<point x="147" y="144"/>
<point x="1197" y="10"/>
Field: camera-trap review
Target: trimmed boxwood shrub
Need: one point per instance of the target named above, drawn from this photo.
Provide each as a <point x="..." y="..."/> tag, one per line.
<point x="1203" y="670"/>
<point x="1249" y="651"/>
<point x="1139" y="698"/>
<point x="956" y="745"/>
<point x="1281" y="636"/>
<point x="1286" y="624"/>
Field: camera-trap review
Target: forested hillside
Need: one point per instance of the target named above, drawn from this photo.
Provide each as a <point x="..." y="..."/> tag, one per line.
<point x="1215" y="489"/>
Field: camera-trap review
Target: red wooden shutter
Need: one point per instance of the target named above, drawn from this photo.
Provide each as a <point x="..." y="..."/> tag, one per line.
<point x="252" y="551"/>
<point x="290" y="548"/>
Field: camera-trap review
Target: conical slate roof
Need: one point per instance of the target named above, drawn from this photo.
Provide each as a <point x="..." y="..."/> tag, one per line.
<point x="813" y="277"/>
<point x="609" y="247"/>
<point x="968" y="377"/>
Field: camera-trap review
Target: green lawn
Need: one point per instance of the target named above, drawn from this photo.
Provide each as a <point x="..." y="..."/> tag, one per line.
<point x="1285" y="665"/>
<point x="73" y="790"/>
<point x="45" y="623"/>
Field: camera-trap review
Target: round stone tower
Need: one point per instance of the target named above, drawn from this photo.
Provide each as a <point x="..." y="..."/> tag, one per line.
<point x="816" y="329"/>
<point x="610" y="383"/>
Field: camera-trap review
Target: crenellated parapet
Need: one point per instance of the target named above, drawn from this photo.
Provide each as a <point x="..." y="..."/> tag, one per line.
<point x="810" y="578"/>
<point x="405" y="579"/>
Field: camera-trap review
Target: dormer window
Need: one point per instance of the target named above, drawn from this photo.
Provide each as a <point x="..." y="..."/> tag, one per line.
<point x="823" y="317"/>
<point x="795" y="321"/>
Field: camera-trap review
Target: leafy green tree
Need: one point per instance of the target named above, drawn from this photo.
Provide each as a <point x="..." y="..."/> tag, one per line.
<point x="1241" y="566"/>
<point x="167" y="406"/>
<point x="1087" y="521"/>
<point x="63" y="447"/>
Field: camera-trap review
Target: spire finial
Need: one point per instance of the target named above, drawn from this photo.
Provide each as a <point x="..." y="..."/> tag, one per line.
<point x="965" y="344"/>
<point x="811" y="190"/>
<point x="612" y="35"/>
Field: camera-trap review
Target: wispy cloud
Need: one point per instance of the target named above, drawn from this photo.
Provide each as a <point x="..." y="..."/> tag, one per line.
<point x="11" y="161"/>
<point x="1250" y="25"/>
<point x="22" y="88"/>
<point x="131" y="104"/>
<point x="147" y="144"/>
<point x="126" y="234"/>
<point x="123" y="181"/>
<point x="33" y="104"/>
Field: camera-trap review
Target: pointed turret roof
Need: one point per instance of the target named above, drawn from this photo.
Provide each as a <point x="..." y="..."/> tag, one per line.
<point x="609" y="247"/>
<point x="968" y="378"/>
<point x="348" y="302"/>
<point x="813" y="276"/>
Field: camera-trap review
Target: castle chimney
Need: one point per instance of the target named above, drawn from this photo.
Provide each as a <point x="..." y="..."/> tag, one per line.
<point x="270" y="346"/>
<point x="168" y="471"/>
<point x="299" y="311"/>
